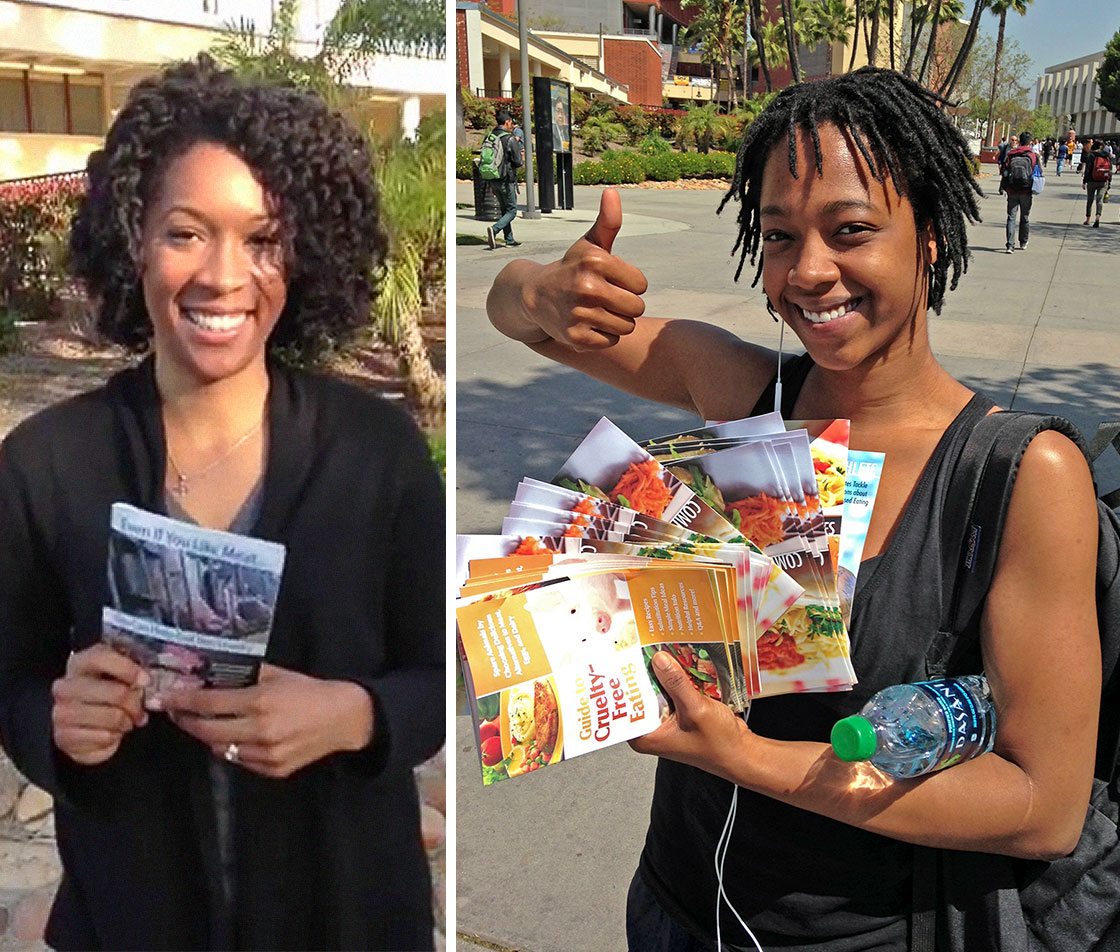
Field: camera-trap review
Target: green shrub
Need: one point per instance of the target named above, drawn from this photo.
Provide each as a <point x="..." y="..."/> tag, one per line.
<point x="653" y="144"/>
<point x="588" y="173"/>
<point x="598" y="131"/>
<point x="478" y="113"/>
<point x="464" y="164"/>
<point x="634" y="120"/>
<point x="35" y="219"/>
<point x="666" y="121"/>
<point x="581" y="107"/>
<point x="721" y="165"/>
<point x="665" y="167"/>
<point x="701" y="128"/>
<point x="974" y="161"/>
<point x="626" y="165"/>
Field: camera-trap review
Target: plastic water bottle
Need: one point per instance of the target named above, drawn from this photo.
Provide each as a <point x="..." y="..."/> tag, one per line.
<point x="908" y="730"/>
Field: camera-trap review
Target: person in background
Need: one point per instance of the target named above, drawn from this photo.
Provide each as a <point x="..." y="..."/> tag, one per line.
<point x="1063" y="154"/>
<point x="1047" y="149"/>
<point x="1004" y="146"/>
<point x="1096" y="179"/>
<point x="1018" y="190"/>
<point x="262" y="817"/>
<point x="505" y="188"/>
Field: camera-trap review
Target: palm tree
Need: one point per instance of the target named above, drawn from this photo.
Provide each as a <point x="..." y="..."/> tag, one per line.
<point x="762" y="51"/>
<point x="410" y="175"/>
<point x="1001" y="8"/>
<point x="823" y="21"/>
<point x="715" y="30"/>
<point x="954" y="74"/>
<point x="944" y="11"/>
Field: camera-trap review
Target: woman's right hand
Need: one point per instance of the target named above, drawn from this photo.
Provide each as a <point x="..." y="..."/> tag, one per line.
<point x="586" y="301"/>
<point x="97" y="702"/>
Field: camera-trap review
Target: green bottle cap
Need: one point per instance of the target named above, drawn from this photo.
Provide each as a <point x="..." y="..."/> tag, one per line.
<point x="853" y="738"/>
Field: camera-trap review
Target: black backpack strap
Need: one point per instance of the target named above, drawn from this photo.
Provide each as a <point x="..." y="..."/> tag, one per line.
<point x="1107" y="434"/>
<point x="973" y="517"/>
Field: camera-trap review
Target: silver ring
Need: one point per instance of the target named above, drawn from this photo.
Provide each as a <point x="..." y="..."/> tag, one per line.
<point x="231" y="753"/>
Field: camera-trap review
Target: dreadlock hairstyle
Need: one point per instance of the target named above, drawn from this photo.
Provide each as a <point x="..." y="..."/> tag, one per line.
<point x="899" y="128"/>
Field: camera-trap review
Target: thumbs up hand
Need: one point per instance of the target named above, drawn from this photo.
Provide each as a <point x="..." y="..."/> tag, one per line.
<point x="586" y="301"/>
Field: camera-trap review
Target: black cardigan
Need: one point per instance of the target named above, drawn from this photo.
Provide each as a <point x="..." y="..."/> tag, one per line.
<point x="328" y="858"/>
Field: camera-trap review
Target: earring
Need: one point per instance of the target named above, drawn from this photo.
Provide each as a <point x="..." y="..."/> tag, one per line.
<point x="773" y="311"/>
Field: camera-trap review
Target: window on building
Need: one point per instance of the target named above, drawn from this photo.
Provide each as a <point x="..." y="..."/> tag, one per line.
<point x="85" y="108"/>
<point x="51" y="103"/>
<point x="48" y="105"/>
<point x="13" y="107"/>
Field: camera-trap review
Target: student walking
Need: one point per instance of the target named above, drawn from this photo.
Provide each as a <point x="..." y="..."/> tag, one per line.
<point x="1095" y="179"/>
<point x="1063" y="154"/>
<point x="1018" y="175"/>
<point x="508" y="148"/>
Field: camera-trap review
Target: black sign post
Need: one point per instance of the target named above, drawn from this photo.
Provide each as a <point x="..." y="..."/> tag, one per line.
<point x="552" y="123"/>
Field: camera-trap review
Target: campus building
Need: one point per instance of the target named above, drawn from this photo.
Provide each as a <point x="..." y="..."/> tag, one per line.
<point x="488" y="58"/>
<point x="1070" y="90"/>
<point x="66" y="67"/>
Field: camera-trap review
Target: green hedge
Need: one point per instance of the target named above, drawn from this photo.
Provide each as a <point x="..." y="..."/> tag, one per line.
<point x="623" y="166"/>
<point x="464" y="163"/>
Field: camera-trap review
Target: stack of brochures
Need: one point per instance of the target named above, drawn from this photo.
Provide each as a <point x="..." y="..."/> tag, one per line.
<point x="734" y="547"/>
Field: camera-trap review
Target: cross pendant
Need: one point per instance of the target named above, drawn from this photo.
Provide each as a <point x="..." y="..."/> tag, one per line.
<point x="181" y="487"/>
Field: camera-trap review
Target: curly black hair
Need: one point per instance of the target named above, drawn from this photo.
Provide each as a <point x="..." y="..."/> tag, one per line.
<point x="313" y="165"/>
<point x="898" y="126"/>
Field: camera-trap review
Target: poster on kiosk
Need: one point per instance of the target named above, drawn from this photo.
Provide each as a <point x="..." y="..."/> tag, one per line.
<point x="552" y="123"/>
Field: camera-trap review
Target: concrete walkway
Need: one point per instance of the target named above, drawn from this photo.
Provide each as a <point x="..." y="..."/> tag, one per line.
<point x="543" y="865"/>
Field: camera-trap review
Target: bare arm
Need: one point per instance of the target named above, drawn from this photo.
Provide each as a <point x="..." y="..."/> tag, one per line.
<point x="586" y="311"/>
<point x="1042" y="655"/>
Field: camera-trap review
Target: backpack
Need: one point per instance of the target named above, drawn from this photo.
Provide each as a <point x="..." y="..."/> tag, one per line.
<point x="1018" y="172"/>
<point x="1071" y="904"/>
<point x="1101" y="169"/>
<point x="492" y="156"/>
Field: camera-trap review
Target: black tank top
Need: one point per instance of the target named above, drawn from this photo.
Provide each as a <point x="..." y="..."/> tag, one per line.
<point x="803" y="881"/>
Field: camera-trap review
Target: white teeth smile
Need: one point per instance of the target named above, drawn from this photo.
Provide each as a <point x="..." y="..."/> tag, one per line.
<point x="823" y="317"/>
<point x="218" y="323"/>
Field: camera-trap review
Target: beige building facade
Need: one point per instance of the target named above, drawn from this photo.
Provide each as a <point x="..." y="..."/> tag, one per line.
<point x="1070" y="90"/>
<point x="66" y="70"/>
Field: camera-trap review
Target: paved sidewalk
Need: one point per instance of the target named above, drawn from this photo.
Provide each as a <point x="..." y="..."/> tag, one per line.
<point x="543" y="865"/>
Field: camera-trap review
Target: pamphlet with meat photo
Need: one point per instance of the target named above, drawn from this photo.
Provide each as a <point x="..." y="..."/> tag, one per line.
<point x="192" y="606"/>
<point x="558" y="668"/>
<point x="610" y="465"/>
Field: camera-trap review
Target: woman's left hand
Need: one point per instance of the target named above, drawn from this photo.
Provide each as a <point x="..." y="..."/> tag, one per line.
<point x="284" y="722"/>
<point x="702" y="732"/>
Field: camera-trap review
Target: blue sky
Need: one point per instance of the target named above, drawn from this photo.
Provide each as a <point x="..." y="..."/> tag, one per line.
<point x="1055" y="31"/>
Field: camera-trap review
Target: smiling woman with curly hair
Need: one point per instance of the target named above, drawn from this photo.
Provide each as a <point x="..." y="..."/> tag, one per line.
<point x="224" y="221"/>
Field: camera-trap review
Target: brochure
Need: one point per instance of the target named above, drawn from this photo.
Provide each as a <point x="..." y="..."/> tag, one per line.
<point x="192" y="606"/>
<point x="558" y="668"/>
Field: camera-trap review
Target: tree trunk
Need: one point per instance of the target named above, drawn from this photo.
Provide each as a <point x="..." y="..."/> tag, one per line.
<point x="791" y="40"/>
<point x="855" y="34"/>
<point x="995" y="77"/>
<point x="747" y="84"/>
<point x="756" y="35"/>
<point x="951" y="80"/>
<point x="873" y="41"/>
<point x="428" y="388"/>
<point x="934" y="24"/>
<point x="890" y="35"/>
<point x="917" y="25"/>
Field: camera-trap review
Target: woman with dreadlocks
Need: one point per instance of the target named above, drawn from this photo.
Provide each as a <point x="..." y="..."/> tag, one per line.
<point x="854" y="195"/>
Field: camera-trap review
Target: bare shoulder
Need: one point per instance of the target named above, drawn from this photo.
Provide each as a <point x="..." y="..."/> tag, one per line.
<point x="1052" y="518"/>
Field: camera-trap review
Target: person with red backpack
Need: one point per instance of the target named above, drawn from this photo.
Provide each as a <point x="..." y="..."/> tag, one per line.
<point x="1016" y="181"/>
<point x="1096" y="178"/>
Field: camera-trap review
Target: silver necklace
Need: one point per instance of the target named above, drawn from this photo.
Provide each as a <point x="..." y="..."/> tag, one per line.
<point x="183" y="481"/>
